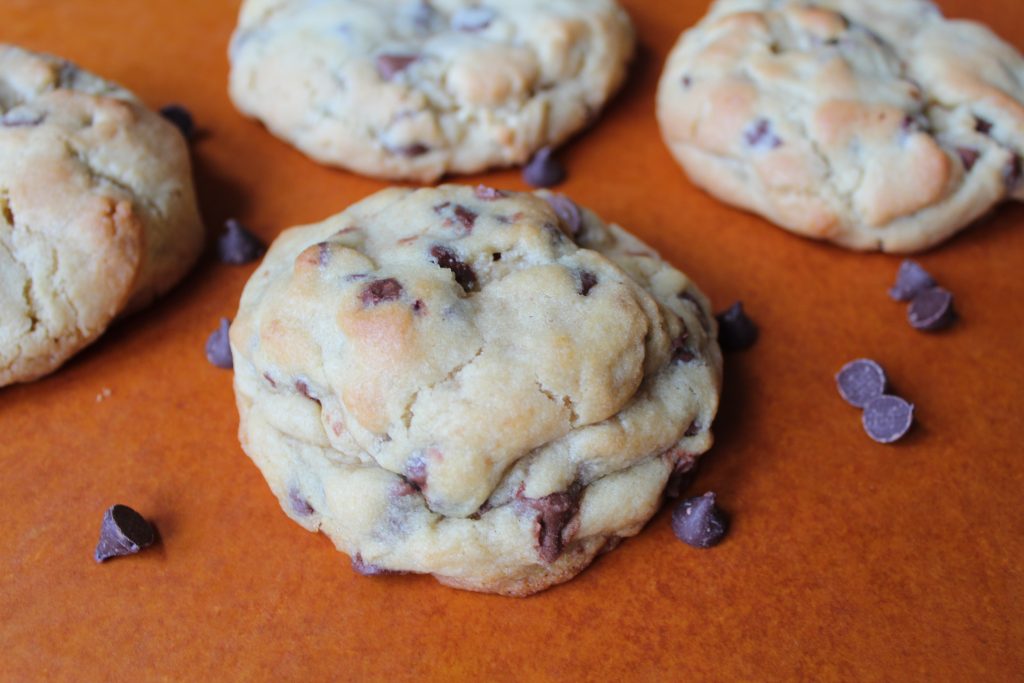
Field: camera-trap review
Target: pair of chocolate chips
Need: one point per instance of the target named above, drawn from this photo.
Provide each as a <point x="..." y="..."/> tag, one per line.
<point x="886" y="418"/>
<point x="931" y="306"/>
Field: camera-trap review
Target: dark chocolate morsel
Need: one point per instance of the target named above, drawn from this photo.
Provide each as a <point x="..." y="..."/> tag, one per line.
<point x="123" y="532"/>
<point x="218" y="346"/>
<point x="544" y="170"/>
<point x="390" y="65"/>
<point x="860" y="381"/>
<point x="568" y="213"/>
<point x="465" y="216"/>
<point x="981" y="125"/>
<point x="237" y="245"/>
<point x="380" y="291"/>
<point x="910" y="279"/>
<point x="736" y="332"/>
<point x="488" y="194"/>
<point x="299" y="504"/>
<point x="699" y="522"/>
<point x="416" y="149"/>
<point x="931" y="310"/>
<point x="887" y="418"/>
<point x="473" y="18"/>
<point x="554" y="515"/>
<point x="968" y="157"/>
<point x="587" y="282"/>
<point x="446" y="258"/>
<point x="759" y="135"/>
<point x="366" y="569"/>
<point x="181" y="118"/>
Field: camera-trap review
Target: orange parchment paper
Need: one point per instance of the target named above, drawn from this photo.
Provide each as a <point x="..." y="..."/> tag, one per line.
<point x="847" y="560"/>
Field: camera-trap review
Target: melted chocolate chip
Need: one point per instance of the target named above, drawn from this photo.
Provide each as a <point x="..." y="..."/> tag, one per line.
<point x="123" y="532"/>
<point x="569" y="215"/>
<point x="911" y="278"/>
<point x="982" y="125"/>
<point x="366" y="569"/>
<point x="181" y="118"/>
<point x="488" y="194"/>
<point x="887" y="418"/>
<point x="759" y="135"/>
<point x="237" y="245"/>
<point x="554" y="516"/>
<point x="218" y="346"/>
<point x="861" y="381"/>
<point x="465" y="216"/>
<point x="587" y="282"/>
<point x="736" y="332"/>
<point x="680" y="352"/>
<point x="968" y="157"/>
<point x="380" y="291"/>
<point x="472" y="19"/>
<point x="390" y="65"/>
<point x="543" y="170"/>
<point x="446" y="258"/>
<point x="699" y="522"/>
<point x="931" y="310"/>
<point x="22" y="117"/>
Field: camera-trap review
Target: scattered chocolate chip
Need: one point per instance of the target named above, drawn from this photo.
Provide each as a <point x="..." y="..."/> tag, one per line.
<point x="555" y="513"/>
<point x="367" y="569"/>
<point x="587" y="282"/>
<point x="488" y="194"/>
<point x="568" y="213"/>
<point x="968" y="157"/>
<point x="910" y="279"/>
<point x="446" y="258"/>
<point x="181" y="118"/>
<point x="237" y="245"/>
<point x="860" y="381"/>
<point x="982" y="126"/>
<point x="759" y="135"/>
<point x="887" y="418"/>
<point x="380" y="291"/>
<point x="390" y="65"/>
<point x="544" y="170"/>
<point x="299" y="504"/>
<point x="736" y="332"/>
<point x="218" y="346"/>
<point x="473" y="18"/>
<point x="123" y="532"/>
<point x="931" y="310"/>
<point x="699" y="522"/>
<point x="22" y="117"/>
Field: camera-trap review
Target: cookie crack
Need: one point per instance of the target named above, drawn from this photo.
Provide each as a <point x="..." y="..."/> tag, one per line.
<point x="408" y="413"/>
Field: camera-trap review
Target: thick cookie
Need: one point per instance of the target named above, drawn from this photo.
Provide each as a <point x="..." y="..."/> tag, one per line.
<point x="875" y="124"/>
<point x="414" y="89"/>
<point x="484" y="386"/>
<point x="97" y="210"/>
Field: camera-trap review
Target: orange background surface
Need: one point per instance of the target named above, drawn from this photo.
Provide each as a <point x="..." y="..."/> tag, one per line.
<point x="847" y="560"/>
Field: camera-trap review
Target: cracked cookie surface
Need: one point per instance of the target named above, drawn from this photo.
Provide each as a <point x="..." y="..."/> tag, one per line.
<point x="97" y="210"/>
<point x="489" y="387"/>
<point x="874" y="124"/>
<point x="410" y="89"/>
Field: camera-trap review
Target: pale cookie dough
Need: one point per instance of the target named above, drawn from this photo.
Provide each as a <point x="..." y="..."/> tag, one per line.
<point x="410" y="89"/>
<point x="471" y="384"/>
<point x="97" y="211"/>
<point x="874" y="124"/>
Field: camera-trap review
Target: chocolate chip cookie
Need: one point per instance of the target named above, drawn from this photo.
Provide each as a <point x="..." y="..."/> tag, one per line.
<point x="97" y="210"/>
<point x="485" y="386"/>
<point x="874" y="124"/>
<point x="411" y="89"/>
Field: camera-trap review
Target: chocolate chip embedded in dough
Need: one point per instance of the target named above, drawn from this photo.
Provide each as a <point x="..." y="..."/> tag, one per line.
<point x="887" y="418"/>
<point x="380" y="291"/>
<point x="568" y="213"/>
<point x="123" y="532"/>
<point x="447" y="258"/>
<point x="554" y="518"/>
<point x="860" y="381"/>
<point x="760" y="135"/>
<point x="699" y="522"/>
<point x="587" y="282"/>
<point x="968" y="157"/>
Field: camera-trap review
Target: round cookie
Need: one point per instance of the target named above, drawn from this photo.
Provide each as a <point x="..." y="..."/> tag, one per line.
<point x="488" y="387"/>
<point x="97" y="211"/>
<point x="414" y="89"/>
<point x="874" y="124"/>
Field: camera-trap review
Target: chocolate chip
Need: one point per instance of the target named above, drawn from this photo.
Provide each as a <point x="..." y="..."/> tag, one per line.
<point x="887" y="418"/>
<point x="554" y="515"/>
<point x="587" y="282"/>
<point x="683" y="475"/>
<point x="416" y="471"/>
<point x="380" y="291"/>
<point x="218" y="346"/>
<point x="699" y="522"/>
<point x="693" y="429"/>
<point x="911" y="278"/>
<point x="759" y="135"/>
<point x="237" y="245"/>
<point x="465" y="216"/>
<point x="931" y="310"/>
<point x="446" y="258"/>
<point x="299" y="504"/>
<point x="123" y="532"/>
<point x="496" y="256"/>
<point x="968" y="157"/>
<point x="488" y="194"/>
<point x="302" y="387"/>
<point x="860" y="381"/>
<point x="680" y="352"/>
<point x="736" y="332"/>
<point x="181" y="118"/>
<point x="544" y="170"/>
<point x="982" y="126"/>
<point x="1012" y="173"/>
<point x="419" y="307"/>
<point x="390" y="65"/>
<point x="568" y="213"/>
<point x="416" y="149"/>
<point x="367" y="569"/>
<point x="473" y="18"/>
<point x="22" y="117"/>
